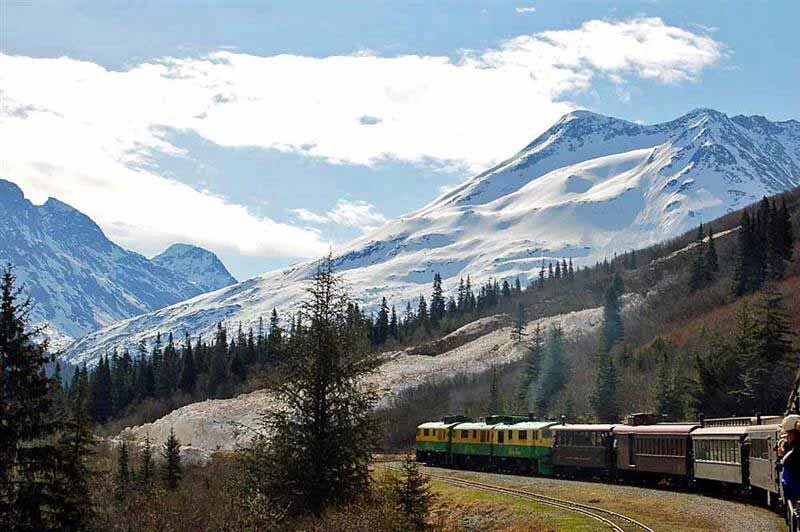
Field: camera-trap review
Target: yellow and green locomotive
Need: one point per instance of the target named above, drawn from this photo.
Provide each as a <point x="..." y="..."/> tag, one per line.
<point x="504" y="442"/>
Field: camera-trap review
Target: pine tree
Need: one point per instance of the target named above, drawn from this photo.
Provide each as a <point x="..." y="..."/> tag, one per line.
<point x="412" y="494"/>
<point x="319" y="448"/>
<point x="122" y="481"/>
<point x="422" y="312"/>
<point x="75" y="442"/>
<point x="712" y="262"/>
<point x="532" y="368"/>
<point x="27" y="458"/>
<point x="394" y="329"/>
<point x="146" y="466"/>
<point x="171" y="471"/>
<point x="612" y="318"/>
<point x="101" y="402"/>
<point x="218" y="368"/>
<point x="700" y="275"/>
<point x="188" y="378"/>
<point x="381" y="330"/>
<point x="605" y="401"/>
<point x="553" y="376"/>
<point x="275" y="337"/>
<point x="437" y="300"/>
<point x="744" y="277"/>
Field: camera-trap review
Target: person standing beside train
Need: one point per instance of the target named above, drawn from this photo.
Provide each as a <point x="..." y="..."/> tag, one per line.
<point x="789" y="451"/>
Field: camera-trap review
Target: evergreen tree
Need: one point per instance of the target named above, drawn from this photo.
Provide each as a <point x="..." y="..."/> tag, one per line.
<point x="171" y="471"/>
<point x="532" y="368"/>
<point x="27" y="493"/>
<point x="394" y="330"/>
<point x="506" y="290"/>
<point x="517" y="286"/>
<point x="605" y="401"/>
<point x="188" y="378"/>
<point x="275" y="337"/>
<point x="437" y="300"/>
<point x="381" y="330"/>
<point x="746" y="263"/>
<point x="319" y="448"/>
<point x="712" y="262"/>
<point x="146" y="466"/>
<point x="412" y="494"/>
<point x="422" y="311"/>
<point x="218" y="368"/>
<point x="700" y="274"/>
<point x="122" y="481"/>
<point x="101" y="402"/>
<point x="75" y="442"/>
<point x="553" y="376"/>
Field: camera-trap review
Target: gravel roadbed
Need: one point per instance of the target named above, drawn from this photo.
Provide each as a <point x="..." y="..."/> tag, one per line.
<point x="660" y="509"/>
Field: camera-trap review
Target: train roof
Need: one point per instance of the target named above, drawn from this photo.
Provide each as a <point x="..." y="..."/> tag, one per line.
<point x="752" y="429"/>
<point x="473" y="425"/>
<point x="667" y="429"/>
<point x="436" y="425"/>
<point x="584" y="427"/>
<point x="526" y="425"/>
<point x="729" y="430"/>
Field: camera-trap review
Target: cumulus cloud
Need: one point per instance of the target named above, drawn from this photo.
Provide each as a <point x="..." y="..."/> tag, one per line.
<point x="83" y="133"/>
<point x="526" y="9"/>
<point x="359" y="214"/>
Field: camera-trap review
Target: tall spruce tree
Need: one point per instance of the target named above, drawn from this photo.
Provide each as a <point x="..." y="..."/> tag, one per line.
<point x="605" y="400"/>
<point x="171" y="469"/>
<point x="188" y="376"/>
<point x="146" y="466"/>
<point x="29" y="497"/>
<point x="533" y="364"/>
<point x="319" y="448"/>
<point x="122" y="480"/>
<point x="612" y="318"/>
<point x="437" y="310"/>
<point x="75" y="443"/>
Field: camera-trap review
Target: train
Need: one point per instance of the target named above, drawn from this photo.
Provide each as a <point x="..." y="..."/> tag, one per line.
<point x="737" y="454"/>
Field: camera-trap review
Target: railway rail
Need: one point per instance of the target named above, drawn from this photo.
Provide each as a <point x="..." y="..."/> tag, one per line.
<point x="613" y="520"/>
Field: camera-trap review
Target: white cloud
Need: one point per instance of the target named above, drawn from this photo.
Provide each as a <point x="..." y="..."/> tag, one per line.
<point x="359" y="214"/>
<point x="75" y="130"/>
<point x="526" y="9"/>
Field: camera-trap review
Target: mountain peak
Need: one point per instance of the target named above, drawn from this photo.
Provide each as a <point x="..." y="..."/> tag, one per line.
<point x="199" y="266"/>
<point x="11" y="193"/>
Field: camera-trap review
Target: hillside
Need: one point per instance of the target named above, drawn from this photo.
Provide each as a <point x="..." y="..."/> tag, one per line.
<point x="588" y="187"/>
<point x="666" y="324"/>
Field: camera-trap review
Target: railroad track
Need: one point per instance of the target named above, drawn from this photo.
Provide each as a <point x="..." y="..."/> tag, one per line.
<point x="613" y="520"/>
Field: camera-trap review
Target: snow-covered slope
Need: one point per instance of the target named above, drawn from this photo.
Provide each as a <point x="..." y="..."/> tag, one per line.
<point x="200" y="266"/>
<point x="587" y="187"/>
<point x="78" y="278"/>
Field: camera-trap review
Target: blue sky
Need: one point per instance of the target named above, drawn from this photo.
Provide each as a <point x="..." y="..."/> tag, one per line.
<point x="268" y="133"/>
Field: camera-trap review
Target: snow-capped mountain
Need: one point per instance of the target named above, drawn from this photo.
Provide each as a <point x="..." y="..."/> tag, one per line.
<point x="79" y="280"/>
<point x="200" y="266"/>
<point x="585" y="188"/>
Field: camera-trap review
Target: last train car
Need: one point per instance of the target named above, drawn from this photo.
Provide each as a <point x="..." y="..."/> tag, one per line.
<point x="434" y="440"/>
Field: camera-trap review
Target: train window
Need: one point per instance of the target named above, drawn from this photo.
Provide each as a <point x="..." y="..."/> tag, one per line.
<point x="483" y="437"/>
<point x="510" y="434"/>
<point x="523" y="435"/>
<point x="426" y="432"/>
<point x="546" y="433"/>
<point x="465" y="434"/>
<point x="474" y="434"/>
